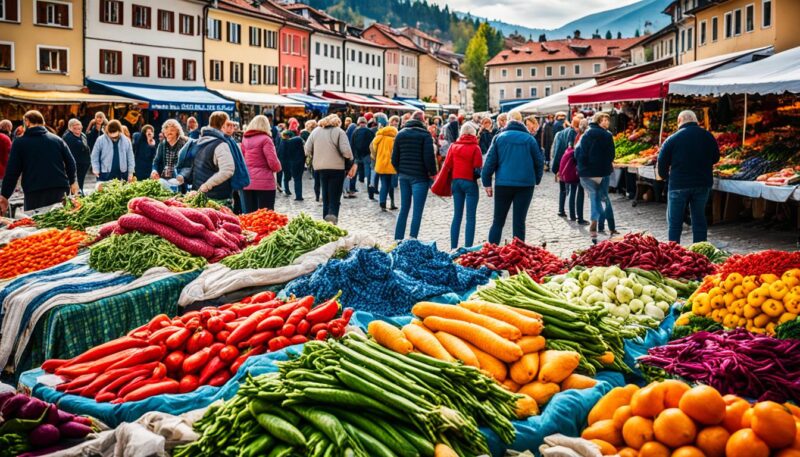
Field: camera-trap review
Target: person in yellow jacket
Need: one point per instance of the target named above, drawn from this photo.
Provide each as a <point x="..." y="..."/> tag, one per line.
<point x="381" y="151"/>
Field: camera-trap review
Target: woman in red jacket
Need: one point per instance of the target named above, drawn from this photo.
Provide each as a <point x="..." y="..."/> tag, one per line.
<point x="465" y="161"/>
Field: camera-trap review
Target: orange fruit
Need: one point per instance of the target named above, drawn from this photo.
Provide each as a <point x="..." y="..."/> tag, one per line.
<point x="621" y="415"/>
<point x="648" y="401"/>
<point x="796" y="444"/>
<point x="603" y="430"/>
<point x="733" y="415"/>
<point x="774" y="424"/>
<point x="606" y="448"/>
<point x="628" y="452"/>
<point x="731" y="399"/>
<point x="673" y="391"/>
<point x="747" y="418"/>
<point x="712" y="441"/>
<point x="687" y="451"/>
<point x="703" y="404"/>
<point x="654" y="449"/>
<point x="637" y="431"/>
<point x="745" y="443"/>
<point x="674" y="428"/>
<point x="793" y="408"/>
<point x="789" y="452"/>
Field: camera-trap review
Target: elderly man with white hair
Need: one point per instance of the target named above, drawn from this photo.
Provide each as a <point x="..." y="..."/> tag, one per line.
<point x="79" y="147"/>
<point x="685" y="161"/>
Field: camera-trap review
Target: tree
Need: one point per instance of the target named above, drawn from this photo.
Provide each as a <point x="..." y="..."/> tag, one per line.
<point x="577" y="34"/>
<point x="609" y="35"/>
<point x="475" y="59"/>
<point x="619" y="35"/>
<point x="637" y="34"/>
<point x="542" y="38"/>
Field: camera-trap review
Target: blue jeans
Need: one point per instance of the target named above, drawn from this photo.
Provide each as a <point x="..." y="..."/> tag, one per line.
<point x="411" y="187"/>
<point x="363" y="171"/>
<point x="387" y="185"/>
<point x="504" y="198"/>
<point x="696" y="198"/>
<point x="575" y="197"/>
<point x="463" y="191"/>
<point x="297" y="174"/>
<point x="600" y="202"/>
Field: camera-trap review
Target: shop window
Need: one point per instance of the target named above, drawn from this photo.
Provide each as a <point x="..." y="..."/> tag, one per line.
<point x="749" y="18"/>
<point x="189" y="70"/>
<point x="53" y="14"/>
<point x="166" y="21"/>
<point x="6" y="56"/>
<point x="766" y="13"/>
<point x="186" y="24"/>
<point x="214" y="29"/>
<point x="141" y="66"/>
<point x="166" y="67"/>
<point x="216" y="70"/>
<point x="237" y="68"/>
<point x="9" y="10"/>
<point x="234" y="33"/>
<point x="110" y="62"/>
<point x="111" y="12"/>
<point x="141" y="16"/>
<point x="255" y="36"/>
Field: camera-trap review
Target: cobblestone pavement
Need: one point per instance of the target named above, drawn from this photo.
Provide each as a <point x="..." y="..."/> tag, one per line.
<point x="543" y="223"/>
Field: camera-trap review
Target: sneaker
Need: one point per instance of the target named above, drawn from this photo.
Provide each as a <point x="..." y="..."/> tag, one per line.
<point x="330" y="218"/>
<point x="583" y="222"/>
<point x="299" y="199"/>
<point x="562" y="214"/>
<point x="392" y="207"/>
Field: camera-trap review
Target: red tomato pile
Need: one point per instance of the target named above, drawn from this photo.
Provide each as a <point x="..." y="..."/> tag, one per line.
<point x="263" y="222"/>
<point x="206" y="347"/>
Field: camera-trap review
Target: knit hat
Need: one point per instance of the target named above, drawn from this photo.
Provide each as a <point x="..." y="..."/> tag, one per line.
<point x="369" y="116"/>
<point x="381" y="119"/>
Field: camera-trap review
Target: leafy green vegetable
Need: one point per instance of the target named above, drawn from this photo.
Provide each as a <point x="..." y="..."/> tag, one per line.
<point x="788" y="330"/>
<point x="137" y="252"/>
<point x="696" y="324"/>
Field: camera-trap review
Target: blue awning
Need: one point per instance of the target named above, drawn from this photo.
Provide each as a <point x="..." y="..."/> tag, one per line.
<point x="508" y="105"/>
<point x="415" y="102"/>
<point x="312" y="102"/>
<point x="166" y="98"/>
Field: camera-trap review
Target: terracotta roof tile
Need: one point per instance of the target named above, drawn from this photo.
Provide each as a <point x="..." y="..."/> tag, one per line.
<point x="401" y="40"/>
<point x="562" y="50"/>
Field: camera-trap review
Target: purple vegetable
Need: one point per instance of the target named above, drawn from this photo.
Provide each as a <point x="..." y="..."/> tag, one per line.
<point x="13" y="404"/>
<point x="5" y="396"/>
<point x="735" y="362"/>
<point x="52" y="414"/>
<point x="44" y="435"/>
<point x="74" y="430"/>
<point x="45" y="451"/>
<point x="33" y="410"/>
<point x="64" y="416"/>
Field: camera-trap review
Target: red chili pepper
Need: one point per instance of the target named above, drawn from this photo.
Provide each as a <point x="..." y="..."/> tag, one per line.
<point x="278" y="343"/>
<point x="158" y="322"/>
<point x="284" y="310"/>
<point x="148" y="354"/>
<point x="324" y="312"/>
<point x="223" y="336"/>
<point x="51" y="365"/>
<point x="215" y="348"/>
<point x="231" y="326"/>
<point x="298" y="339"/>
<point x="193" y="363"/>
<point x="317" y="327"/>
<point x="94" y="366"/>
<point x="79" y="382"/>
<point x="178" y="339"/>
<point x="133" y="385"/>
<point x="227" y="316"/>
<point x="248" y="310"/>
<point x="163" y="334"/>
<point x="245" y="329"/>
<point x="160" y="371"/>
<point x="189" y="316"/>
<point x="167" y="386"/>
<point x="193" y="324"/>
<point x="296" y="316"/>
<point x="257" y="339"/>
<point x="303" y="327"/>
<point x="212" y="367"/>
<point x="288" y="330"/>
<point x="321" y="335"/>
<point x="106" y="349"/>
<point x="270" y="323"/>
<point x="112" y="387"/>
<point x="220" y="378"/>
<point x="106" y="378"/>
<point x="263" y="297"/>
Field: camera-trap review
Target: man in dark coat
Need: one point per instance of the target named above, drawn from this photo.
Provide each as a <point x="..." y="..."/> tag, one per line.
<point x="79" y="147"/>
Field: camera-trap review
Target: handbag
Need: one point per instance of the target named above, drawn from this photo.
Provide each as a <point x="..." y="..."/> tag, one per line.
<point x="443" y="184"/>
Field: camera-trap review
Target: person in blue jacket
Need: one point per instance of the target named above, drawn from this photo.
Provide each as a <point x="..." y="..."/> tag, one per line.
<point x="594" y="156"/>
<point x="686" y="161"/>
<point x="517" y="164"/>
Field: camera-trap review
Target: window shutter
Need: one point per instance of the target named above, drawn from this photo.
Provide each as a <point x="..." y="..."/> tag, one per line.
<point x="119" y="62"/>
<point x="62" y="58"/>
<point x="41" y="12"/>
<point x="11" y="10"/>
<point x="121" y="10"/>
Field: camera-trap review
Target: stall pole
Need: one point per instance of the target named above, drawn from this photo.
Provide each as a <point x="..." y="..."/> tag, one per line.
<point x="663" y="115"/>
<point x="744" y="121"/>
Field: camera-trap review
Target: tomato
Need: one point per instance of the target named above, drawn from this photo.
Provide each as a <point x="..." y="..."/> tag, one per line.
<point x="215" y="324"/>
<point x="229" y="353"/>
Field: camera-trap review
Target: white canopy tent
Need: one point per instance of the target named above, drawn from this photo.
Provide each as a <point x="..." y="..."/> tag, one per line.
<point x="777" y="74"/>
<point x="556" y="102"/>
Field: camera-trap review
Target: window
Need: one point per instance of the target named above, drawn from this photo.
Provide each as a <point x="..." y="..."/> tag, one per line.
<point x="214" y="29"/>
<point x="548" y="71"/>
<point x="533" y="72"/>
<point x="234" y="32"/>
<point x="562" y="70"/>
<point x="353" y="55"/>
<point x="547" y="91"/>
<point x="316" y="48"/>
<point x="166" y="21"/>
<point x="670" y="46"/>
<point x="502" y="94"/>
<point x="749" y="18"/>
<point x="255" y="36"/>
<point x="255" y="74"/>
<point x="111" y="12"/>
<point x="54" y="14"/>
<point x="189" y="70"/>
<point x="737" y="22"/>
<point x="596" y="68"/>
<point x="533" y="92"/>
<point x="141" y="66"/>
<point x="714" y="29"/>
<point x="9" y="10"/>
<point x="166" y="67"/>
<point x="325" y="77"/>
<point x="110" y="62"/>
<point x="689" y="38"/>
<point x="518" y="92"/>
<point x="339" y="53"/>
<point x="361" y="57"/>
<point x="728" y="25"/>
<point x="519" y="73"/>
<point x="576" y="69"/>
<point x="6" y="56"/>
<point x="379" y="61"/>
<point x="216" y="70"/>
<point x="270" y="75"/>
<point x="237" y="68"/>
<point x="325" y="50"/>
<point x="766" y="13"/>
<point x="304" y="46"/>
<point x="683" y="40"/>
<point x="317" y="76"/>
<point x="702" y="39"/>
<point x="186" y="24"/>
<point x="504" y="73"/>
<point x="285" y="46"/>
<point x="271" y="39"/>
<point x="141" y="16"/>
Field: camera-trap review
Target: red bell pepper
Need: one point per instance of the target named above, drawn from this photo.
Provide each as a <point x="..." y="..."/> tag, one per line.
<point x="167" y="386"/>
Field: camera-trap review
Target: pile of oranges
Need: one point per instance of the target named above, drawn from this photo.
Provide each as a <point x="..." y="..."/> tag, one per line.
<point x="39" y="251"/>
<point x="671" y="419"/>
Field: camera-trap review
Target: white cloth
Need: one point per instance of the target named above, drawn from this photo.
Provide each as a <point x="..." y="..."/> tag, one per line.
<point x="217" y="279"/>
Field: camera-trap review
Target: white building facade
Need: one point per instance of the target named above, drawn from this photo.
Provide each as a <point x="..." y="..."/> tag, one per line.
<point x="363" y="67"/>
<point x="408" y="78"/>
<point x="145" y="41"/>
<point x="326" y="61"/>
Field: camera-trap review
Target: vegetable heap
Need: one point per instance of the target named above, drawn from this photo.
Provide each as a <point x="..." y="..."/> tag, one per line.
<point x="202" y="232"/>
<point x="714" y="255"/>
<point x="672" y="418"/>
<point x="502" y="341"/>
<point x="207" y="347"/>
<point x="24" y="222"/>
<point x="105" y="205"/>
<point x="31" y="425"/>
<point x="356" y="397"/>
<point x="39" y="251"/>
<point x="646" y="252"/>
<point x="569" y="325"/>
<point x="635" y="294"/>
<point x="389" y="284"/>
<point x="302" y="235"/>
<point x="758" y="303"/>
<point x="758" y="263"/>
<point x="735" y="362"/>
<point x="514" y="257"/>
<point x="263" y="222"/>
<point x="136" y="253"/>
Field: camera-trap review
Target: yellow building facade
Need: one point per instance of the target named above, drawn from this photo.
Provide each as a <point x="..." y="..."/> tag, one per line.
<point x="434" y="79"/>
<point x="241" y="50"/>
<point x="739" y="25"/>
<point x="41" y="44"/>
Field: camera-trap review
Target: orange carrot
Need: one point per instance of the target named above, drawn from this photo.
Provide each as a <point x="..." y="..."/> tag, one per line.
<point x="427" y="309"/>
<point x="489" y="364"/>
<point x="425" y="342"/>
<point x="540" y="391"/>
<point x="510" y="385"/>
<point x="484" y="339"/>
<point x="443" y="450"/>
<point x="458" y="349"/>
<point x="556" y="366"/>
<point x="577" y="381"/>
<point x="527" y="325"/>
<point x="531" y="343"/>
<point x="389" y="336"/>
<point x="525" y="369"/>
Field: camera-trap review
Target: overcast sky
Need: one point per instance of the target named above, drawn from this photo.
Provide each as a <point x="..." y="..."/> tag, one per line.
<point x="546" y="14"/>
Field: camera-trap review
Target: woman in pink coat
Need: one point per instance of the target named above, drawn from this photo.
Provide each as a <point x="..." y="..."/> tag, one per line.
<point x="262" y="163"/>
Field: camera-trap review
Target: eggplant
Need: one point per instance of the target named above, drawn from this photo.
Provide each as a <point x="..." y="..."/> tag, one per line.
<point x="44" y="435"/>
<point x="32" y="410"/>
<point x="74" y="429"/>
<point x="12" y="405"/>
<point x="5" y="396"/>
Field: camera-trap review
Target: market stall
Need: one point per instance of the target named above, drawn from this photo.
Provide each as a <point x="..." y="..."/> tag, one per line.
<point x="252" y="104"/>
<point x="318" y="107"/>
<point x="556" y="102"/>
